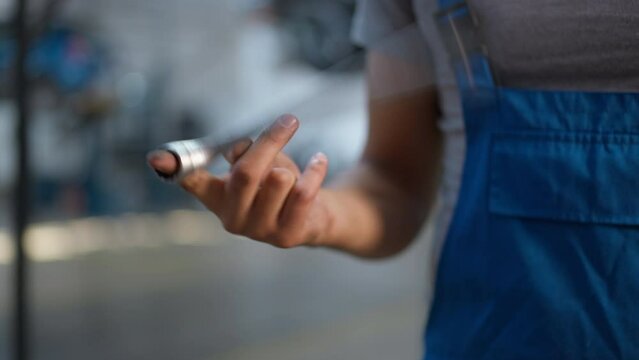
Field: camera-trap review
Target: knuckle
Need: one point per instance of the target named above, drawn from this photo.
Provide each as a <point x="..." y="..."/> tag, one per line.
<point x="259" y="228"/>
<point x="280" y="177"/>
<point x="260" y="234"/>
<point x="302" y="195"/>
<point x="191" y="182"/>
<point x="232" y="226"/>
<point x="243" y="175"/>
<point x="284" y="242"/>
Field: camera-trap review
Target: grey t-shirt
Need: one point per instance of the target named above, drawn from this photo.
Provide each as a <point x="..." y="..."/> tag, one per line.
<point x="542" y="44"/>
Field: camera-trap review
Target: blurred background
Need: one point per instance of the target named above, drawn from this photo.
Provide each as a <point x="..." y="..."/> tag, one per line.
<point x="127" y="267"/>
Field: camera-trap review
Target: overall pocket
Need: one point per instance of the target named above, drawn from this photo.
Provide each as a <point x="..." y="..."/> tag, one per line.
<point x="566" y="176"/>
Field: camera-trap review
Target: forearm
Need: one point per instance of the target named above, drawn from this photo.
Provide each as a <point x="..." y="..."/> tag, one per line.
<point x="377" y="208"/>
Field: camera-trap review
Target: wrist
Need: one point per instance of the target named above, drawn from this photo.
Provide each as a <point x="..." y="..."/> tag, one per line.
<point x="325" y="234"/>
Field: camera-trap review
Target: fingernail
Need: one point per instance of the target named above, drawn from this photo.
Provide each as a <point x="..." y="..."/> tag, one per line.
<point x="155" y="154"/>
<point x="318" y="158"/>
<point x="287" y="121"/>
<point x="162" y="161"/>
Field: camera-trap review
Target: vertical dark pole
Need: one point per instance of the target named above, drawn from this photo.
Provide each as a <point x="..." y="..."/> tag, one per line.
<point x="21" y="213"/>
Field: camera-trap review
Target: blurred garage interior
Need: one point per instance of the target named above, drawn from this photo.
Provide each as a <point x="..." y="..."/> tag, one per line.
<point x="124" y="266"/>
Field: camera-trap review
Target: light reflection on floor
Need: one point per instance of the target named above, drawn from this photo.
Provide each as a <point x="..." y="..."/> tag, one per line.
<point x="64" y="240"/>
<point x="176" y="286"/>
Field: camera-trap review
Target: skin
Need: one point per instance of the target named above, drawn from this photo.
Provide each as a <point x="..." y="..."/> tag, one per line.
<point x="373" y="210"/>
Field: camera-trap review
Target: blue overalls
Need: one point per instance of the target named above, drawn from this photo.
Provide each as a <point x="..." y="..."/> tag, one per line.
<point x="542" y="258"/>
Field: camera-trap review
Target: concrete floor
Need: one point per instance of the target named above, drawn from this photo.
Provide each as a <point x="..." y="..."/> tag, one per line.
<point x="222" y="297"/>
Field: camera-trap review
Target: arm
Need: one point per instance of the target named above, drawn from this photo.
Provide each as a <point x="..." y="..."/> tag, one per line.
<point x="373" y="210"/>
<point x="380" y="205"/>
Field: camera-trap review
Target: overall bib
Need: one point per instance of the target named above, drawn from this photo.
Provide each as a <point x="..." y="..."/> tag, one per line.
<point x="542" y="257"/>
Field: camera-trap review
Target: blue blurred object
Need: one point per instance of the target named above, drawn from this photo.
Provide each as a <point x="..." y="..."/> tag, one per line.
<point x="62" y="56"/>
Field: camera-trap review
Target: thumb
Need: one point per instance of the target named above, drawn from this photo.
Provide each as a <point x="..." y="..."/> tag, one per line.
<point x="208" y="189"/>
<point x="163" y="162"/>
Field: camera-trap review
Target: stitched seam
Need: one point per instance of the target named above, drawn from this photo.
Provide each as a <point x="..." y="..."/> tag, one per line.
<point x="571" y="137"/>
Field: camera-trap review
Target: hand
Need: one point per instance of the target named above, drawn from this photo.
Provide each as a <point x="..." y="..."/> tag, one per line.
<point x="265" y="196"/>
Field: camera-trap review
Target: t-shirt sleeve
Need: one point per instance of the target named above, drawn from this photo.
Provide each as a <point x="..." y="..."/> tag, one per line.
<point x="390" y="26"/>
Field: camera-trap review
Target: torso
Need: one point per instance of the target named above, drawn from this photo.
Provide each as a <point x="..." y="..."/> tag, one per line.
<point x="553" y="44"/>
<point x="573" y="44"/>
<point x="587" y="45"/>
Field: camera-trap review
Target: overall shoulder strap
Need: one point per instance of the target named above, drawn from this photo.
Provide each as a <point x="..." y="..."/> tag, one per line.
<point x="461" y="34"/>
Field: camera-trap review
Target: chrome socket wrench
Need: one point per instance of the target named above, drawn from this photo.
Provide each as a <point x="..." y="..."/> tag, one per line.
<point x="194" y="154"/>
